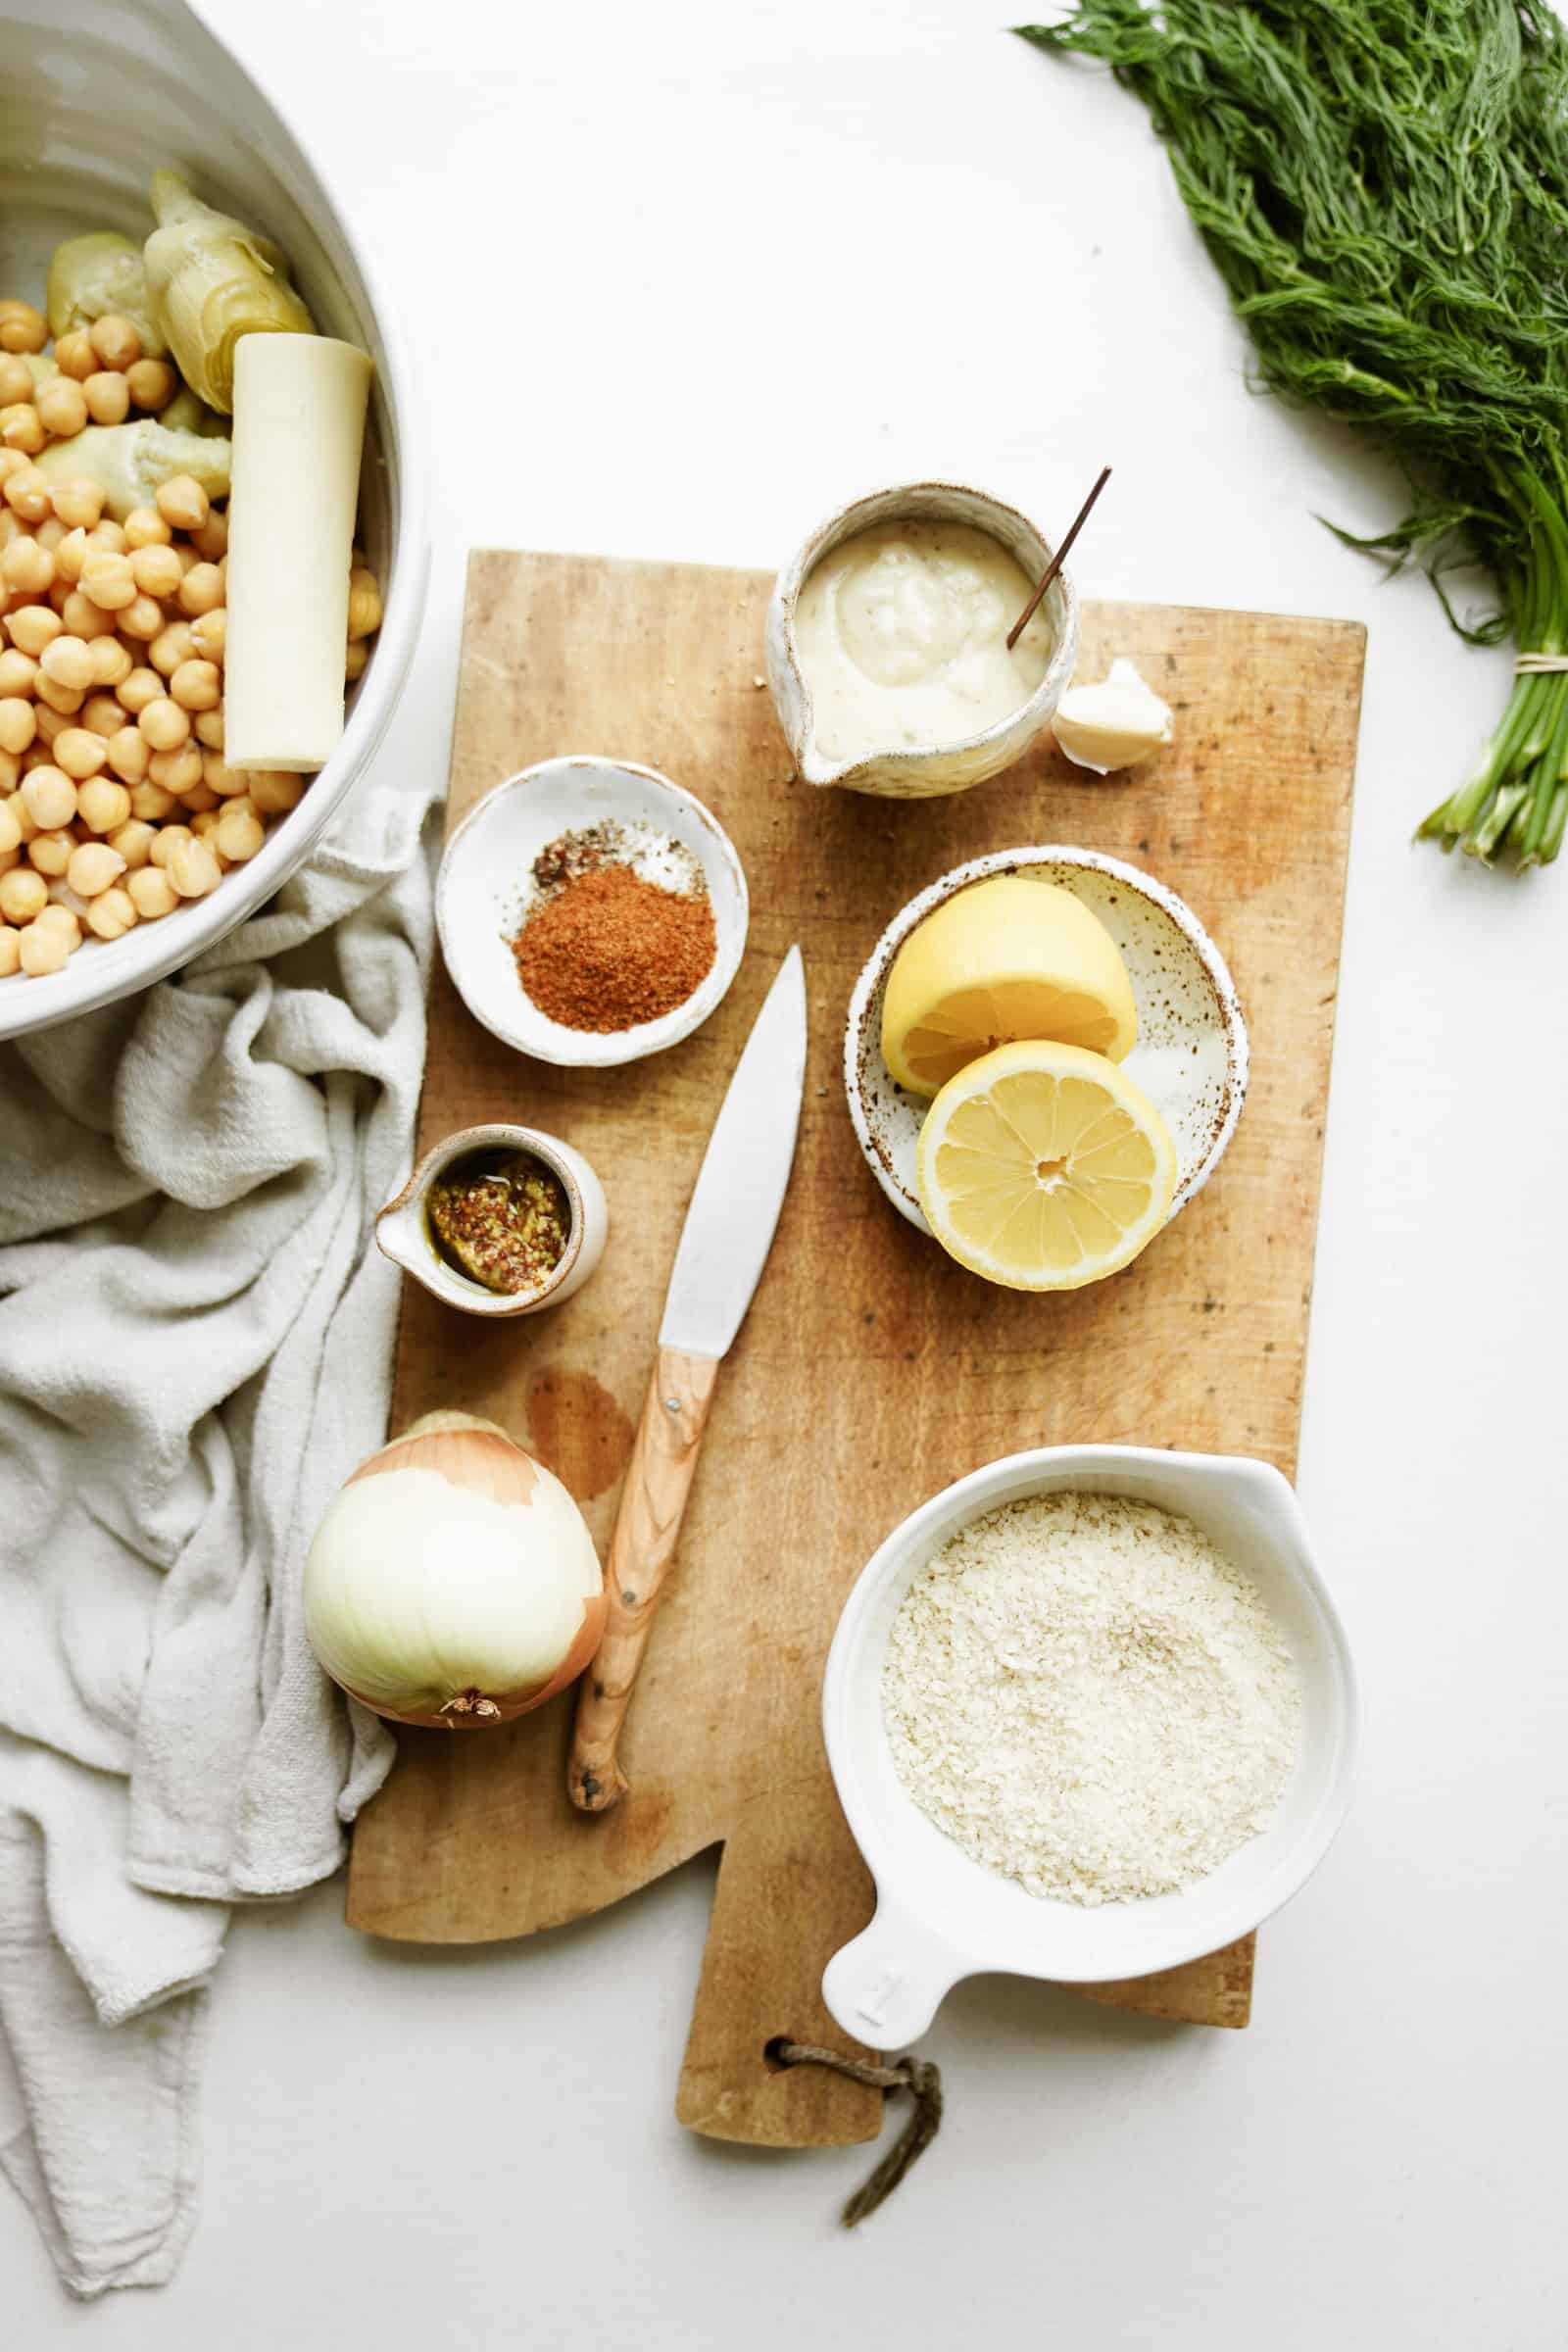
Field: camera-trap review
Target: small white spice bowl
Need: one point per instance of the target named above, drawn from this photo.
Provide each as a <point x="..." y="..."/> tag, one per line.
<point x="940" y="1915"/>
<point x="484" y="885"/>
<point x="920" y="771"/>
<point x="1192" y="1054"/>
<point x="402" y="1231"/>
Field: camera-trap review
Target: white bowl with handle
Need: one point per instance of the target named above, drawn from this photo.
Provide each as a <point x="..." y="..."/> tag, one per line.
<point x="942" y="1916"/>
<point x="94" y="98"/>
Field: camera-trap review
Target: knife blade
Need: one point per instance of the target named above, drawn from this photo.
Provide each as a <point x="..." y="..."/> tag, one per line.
<point x="729" y="1229"/>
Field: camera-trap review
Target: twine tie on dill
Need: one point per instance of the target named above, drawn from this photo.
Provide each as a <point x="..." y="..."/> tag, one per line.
<point x="918" y="2075"/>
<point x="1537" y="666"/>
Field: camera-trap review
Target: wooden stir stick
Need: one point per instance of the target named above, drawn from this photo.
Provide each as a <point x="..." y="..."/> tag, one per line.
<point x="1056" y="562"/>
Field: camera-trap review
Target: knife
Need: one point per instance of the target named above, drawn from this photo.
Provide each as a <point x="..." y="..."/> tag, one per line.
<point x="723" y="1247"/>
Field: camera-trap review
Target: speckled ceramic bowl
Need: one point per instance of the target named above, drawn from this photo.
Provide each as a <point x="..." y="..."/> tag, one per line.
<point x="1191" y="1059"/>
<point x="924" y="771"/>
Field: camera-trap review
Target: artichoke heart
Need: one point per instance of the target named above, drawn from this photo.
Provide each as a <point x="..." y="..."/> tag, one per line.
<point x="131" y="463"/>
<point x="211" y="279"/>
<point x="92" y="276"/>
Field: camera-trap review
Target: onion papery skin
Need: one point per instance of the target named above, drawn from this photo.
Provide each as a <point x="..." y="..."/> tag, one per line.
<point x="497" y="1471"/>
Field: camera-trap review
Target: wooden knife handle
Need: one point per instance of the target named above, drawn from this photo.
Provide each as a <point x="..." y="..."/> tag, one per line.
<point x="653" y="1503"/>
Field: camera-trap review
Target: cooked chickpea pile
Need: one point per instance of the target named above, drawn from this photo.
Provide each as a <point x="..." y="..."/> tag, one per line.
<point x="115" y="800"/>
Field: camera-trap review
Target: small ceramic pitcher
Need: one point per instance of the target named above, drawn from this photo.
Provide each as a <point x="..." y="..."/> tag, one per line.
<point x="921" y="771"/>
<point x="402" y="1231"/>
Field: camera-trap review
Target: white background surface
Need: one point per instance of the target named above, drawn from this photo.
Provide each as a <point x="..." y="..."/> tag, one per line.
<point x="682" y="277"/>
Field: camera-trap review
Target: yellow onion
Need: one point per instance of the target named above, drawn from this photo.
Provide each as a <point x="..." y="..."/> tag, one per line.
<point x="454" y="1581"/>
<point x="211" y="279"/>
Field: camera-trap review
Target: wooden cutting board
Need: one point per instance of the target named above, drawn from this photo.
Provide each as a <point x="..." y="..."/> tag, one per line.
<point x="870" y="1370"/>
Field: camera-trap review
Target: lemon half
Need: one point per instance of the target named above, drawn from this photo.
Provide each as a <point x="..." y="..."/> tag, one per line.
<point x="1005" y="959"/>
<point x="1044" y="1167"/>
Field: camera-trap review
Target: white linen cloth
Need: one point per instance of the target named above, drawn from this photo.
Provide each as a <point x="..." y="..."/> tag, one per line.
<point x="195" y="1349"/>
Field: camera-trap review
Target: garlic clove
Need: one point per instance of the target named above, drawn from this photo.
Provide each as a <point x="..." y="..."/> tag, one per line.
<point x="1113" y="723"/>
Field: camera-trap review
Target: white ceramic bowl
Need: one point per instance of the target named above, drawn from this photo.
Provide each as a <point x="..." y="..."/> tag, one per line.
<point x="925" y="771"/>
<point x="403" y="1234"/>
<point x="1191" y="1059"/>
<point x="94" y="96"/>
<point x="484" y="883"/>
<point x="940" y="1916"/>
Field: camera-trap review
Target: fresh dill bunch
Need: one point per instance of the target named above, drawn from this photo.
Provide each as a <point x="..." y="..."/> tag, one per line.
<point x="1382" y="185"/>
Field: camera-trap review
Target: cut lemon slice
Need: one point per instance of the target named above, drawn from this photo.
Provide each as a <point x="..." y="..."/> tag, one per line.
<point x="1044" y="1167"/>
<point x="1005" y="959"/>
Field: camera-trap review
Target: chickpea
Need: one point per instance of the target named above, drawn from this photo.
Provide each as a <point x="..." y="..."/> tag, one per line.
<point x="132" y="840"/>
<point x="204" y="820"/>
<point x="365" y="605"/>
<point x="150" y="383"/>
<point x="23" y="429"/>
<point x="44" y="948"/>
<point x="10" y="953"/>
<point x="228" y="782"/>
<point x="102" y="714"/>
<point x="183" y="503"/>
<point x="83" y="616"/>
<point x="209" y="728"/>
<point x="193" y="868"/>
<point x="170" y="647"/>
<point x="69" y="662"/>
<point x="25" y="492"/>
<point x="11" y="460"/>
<point x="80" y="753"/>
<point x="150" y="803"/>
<point x="61" y="912"/>
<point x="165" y="724"/>
<point x="71" y="555"/>
<point x="17" y="671"/>
<point x="9" y="831"/>
<point x="169" y="838"/>
<point x="107" y="398"/>
<point x="75" y="355"/>
<point x="25" y="567"/>
<point x="16" y="381"/>
<point x="211" y="541"/>
<point x="62" y="408"/>
<point x="19" y="724"/>
<point x="12" y="525"/>
<point x="151" y="893"/>
<point x="156" y="571"/>
<point x="146" y="527"/>
<point x="103" y="806"/>
<point x="139" y="688"/>
<point x="129" y="755"/>
<point x="275" y="790"/>
<point x="50" y="532"/>
<point x="113" y="912"/>
<point x="51" y="722"/>
<point x="201" y="590"/>
<point x="64" y="701"/>
<point x="93" y="868"/>
<point x="21" y="816"/>
<point x="107" y="537"/>
<point x="50" y="852"/>
<point x="110" y="582"/>
<point x="196" y="686"/>
<point x="22" y="327"/>
<point x="178" y="771"/>
<point x="209" y="635"/>
<point x="355" y="659"/>
<point x="239" y="834"/>
<point x="23" y="894"/>
<point x="142" y="619"/>
<point x="50" y="799"/>
<point x="111" y="662"/>
<point x="34" y="627"/>
<point x="116" y="341"/>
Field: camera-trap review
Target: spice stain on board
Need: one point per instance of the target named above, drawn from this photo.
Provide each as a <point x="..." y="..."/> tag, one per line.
<point x="578" y="1431"/>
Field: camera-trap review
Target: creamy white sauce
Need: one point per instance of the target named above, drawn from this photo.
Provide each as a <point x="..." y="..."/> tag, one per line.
<point x="901" y="634"/>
